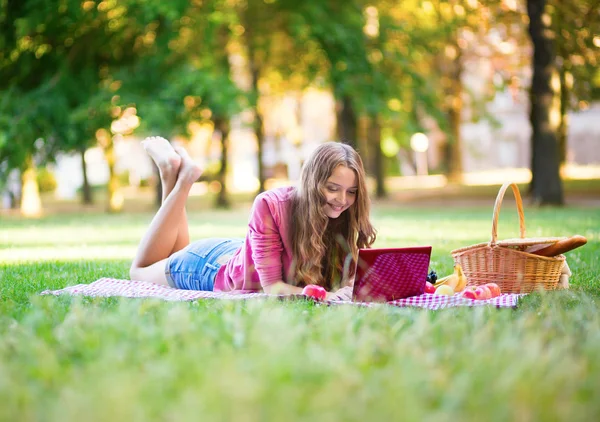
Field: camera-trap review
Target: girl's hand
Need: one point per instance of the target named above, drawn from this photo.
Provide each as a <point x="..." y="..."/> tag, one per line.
<point x="345" y="293"/>
<point x="330" y="296"/>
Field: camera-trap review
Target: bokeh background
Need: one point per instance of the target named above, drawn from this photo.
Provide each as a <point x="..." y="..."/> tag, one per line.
<point x="434" y="94"/>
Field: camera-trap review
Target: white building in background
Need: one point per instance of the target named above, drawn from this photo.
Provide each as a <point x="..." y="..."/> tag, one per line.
<point x="508" y="146"/>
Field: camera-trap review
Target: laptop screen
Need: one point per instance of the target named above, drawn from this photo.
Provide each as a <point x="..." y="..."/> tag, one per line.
<point x="387" y="274"/>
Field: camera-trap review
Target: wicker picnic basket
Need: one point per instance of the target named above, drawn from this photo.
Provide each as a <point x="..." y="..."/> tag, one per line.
<point x="505" y="262"/>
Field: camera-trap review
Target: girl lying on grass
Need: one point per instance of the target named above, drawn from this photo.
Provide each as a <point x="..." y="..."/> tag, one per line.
<point x="296" y="236"/>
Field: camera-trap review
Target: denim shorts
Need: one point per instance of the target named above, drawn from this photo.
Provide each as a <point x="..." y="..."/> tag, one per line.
<point x="195" y="266"/>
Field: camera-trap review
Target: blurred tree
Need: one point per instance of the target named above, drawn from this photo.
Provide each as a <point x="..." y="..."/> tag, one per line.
<point x="335" y="45"/>
<point x="546" y="184"/>
<point x="28" y="134"/>
<point x="372" y="55"/>
<point x="258" y="28"/>
<point x="399" y="46"/>
<point x="466" y="31"/>
<point x="31" y="116"/>
<point x="189" y="79"/>
<point x="451" y="18"/>
<point x="145" y="30"/>
<point x="566" y="44"/>
<point x="336" y="29"/>
<point x="223" y="112"/>
<point x="575" y="26"/>
<point x="66" y="54"/>
<point x="275" y="63"/>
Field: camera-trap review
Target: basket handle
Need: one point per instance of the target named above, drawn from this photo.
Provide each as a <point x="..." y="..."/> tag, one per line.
<point x="499" y="198"/>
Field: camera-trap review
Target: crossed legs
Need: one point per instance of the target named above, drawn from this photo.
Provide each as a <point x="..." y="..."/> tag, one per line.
<point x="168" y="231"/>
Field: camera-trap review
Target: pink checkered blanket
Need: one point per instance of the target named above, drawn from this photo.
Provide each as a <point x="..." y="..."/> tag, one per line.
<point x="106" y="287"/>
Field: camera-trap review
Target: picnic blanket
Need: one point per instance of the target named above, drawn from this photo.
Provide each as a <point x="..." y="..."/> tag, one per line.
<point x="106" y="287"/>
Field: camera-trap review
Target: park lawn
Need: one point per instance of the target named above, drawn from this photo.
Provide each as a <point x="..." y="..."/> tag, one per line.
<point x="64" y="358"/>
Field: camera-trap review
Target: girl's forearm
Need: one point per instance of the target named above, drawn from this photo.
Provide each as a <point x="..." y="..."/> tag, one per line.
<point x="281" y="288"/>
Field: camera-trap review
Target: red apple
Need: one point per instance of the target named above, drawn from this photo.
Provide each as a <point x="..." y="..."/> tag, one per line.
<point x="487" y="291"/>
<point x="315" y="291"/>
<point x="429" y="288"/>
<point x="494" y="288"/>
<point x="483" y="293"/>
<point x="469" y="293"/>
<point x="479" y="293"/>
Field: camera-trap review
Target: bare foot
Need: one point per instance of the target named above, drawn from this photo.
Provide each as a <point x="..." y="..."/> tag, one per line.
<point x="189" y="171"/>
<point x="164" y="156"/>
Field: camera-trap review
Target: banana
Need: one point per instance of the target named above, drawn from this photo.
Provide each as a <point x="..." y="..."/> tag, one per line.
<point x="450" y="280"/>
<point x="456" y="280"/>
<point x="462" y="279"/>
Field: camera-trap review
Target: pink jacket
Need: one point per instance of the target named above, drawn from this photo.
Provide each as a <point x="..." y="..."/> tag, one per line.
<point x="266" y="256"/>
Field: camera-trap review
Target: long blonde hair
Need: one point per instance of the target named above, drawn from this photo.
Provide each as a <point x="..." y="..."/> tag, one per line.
<point x="325" y="249"/>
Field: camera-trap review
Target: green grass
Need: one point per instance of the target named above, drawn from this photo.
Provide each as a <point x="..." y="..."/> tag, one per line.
<point x="64" y="358"/>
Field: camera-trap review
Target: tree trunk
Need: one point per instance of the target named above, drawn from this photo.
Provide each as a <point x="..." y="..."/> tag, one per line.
<point x="31" y="204"/>
<point x="259" y="133"/>
<point x="347" y="128"/>
<point x="255" y="69"/>
<point x="450" y="68"/>
<point x="86" y="189"/>
<point x="454" y="157"/>
<point x="115" y="197"/>
<point x="374" y="141"/>
<point x="454" y="153"/>
<point x="14" y="187"/>
<point x="546" y="184"/>
<point x="222" y="125"/>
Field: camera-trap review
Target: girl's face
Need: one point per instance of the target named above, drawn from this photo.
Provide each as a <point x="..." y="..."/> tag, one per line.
<point x="340" y="191"/>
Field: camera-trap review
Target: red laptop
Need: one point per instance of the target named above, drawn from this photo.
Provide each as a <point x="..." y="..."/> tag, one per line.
<point x="387" y="274"/>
